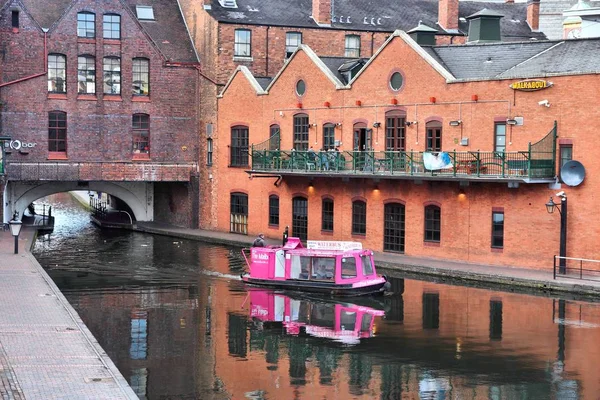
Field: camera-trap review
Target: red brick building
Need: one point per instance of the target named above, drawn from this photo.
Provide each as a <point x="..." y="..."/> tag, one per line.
<point x="101" y="92"/>
<point x="262" y="35"/>
<point x="438" y="155"/>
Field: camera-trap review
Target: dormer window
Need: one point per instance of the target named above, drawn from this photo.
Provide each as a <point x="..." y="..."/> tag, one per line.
<point x="228" y="3"/>
<point x="145" y="13"/>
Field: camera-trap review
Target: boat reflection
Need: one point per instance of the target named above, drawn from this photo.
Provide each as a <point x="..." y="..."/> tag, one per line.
<point x="342" y="322"/>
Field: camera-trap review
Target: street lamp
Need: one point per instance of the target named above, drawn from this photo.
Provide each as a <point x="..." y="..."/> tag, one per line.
<point x="15" y="229"/>
<point x="562" y="209"/>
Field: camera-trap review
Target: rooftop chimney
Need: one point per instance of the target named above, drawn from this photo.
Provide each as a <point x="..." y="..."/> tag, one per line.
<point x="423" y="35"/>
<point x="321" y="11"/>
<point x="448" y="14"/>
<point x="484" y="26"/>
<point x="533" y="14"/>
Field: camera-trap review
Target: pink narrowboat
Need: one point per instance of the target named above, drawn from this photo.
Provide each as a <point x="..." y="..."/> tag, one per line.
<point x="341" y="322"/>
<point x="335" y="268"/>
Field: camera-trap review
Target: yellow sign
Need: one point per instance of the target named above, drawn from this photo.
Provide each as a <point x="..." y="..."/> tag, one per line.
<point x="531" y="85"/>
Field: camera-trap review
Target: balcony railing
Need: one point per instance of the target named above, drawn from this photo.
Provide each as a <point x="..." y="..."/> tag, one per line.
<point x="472" y="164"/>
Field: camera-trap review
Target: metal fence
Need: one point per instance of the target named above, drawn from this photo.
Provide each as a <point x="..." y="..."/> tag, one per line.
<point x="576" y="268"/>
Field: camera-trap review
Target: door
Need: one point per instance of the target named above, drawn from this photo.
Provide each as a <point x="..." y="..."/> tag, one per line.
<point x="361" y="145"/>
<point x="300" y="218"/>
<point x="393" y="230"/>
<point x="279" y="264"/>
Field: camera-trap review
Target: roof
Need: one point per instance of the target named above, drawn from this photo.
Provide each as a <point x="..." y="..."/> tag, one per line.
<point x="264" y="81"/>
<point x="371" y="15"/>
<point x="168" y="31"/>
<point x="338" y="65"/>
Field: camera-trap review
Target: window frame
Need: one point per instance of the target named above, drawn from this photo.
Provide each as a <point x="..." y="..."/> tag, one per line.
<point x="209" y="152"/>
<point x="327" y="214"/>
<point x="238" y="44"/>
<point x="137" y="71"/>
<point x="273" y="210"/>
<point x="432" y="231"/>
<point x="108" y="26"/>
<point x="499" y="148"/>
<point x="140" y="127"/>
<point x="497" y="230"/>
<point x="301" y="132"/>
<point x="60" y="132"/>
<point x="359" y="217"/>
<point x="238" y="208"/>
<point x="328" y="136"/>
<point x="349" y="50"/>
<point x="109" y="74"/>
<point x="14" y="19"/>
<point x="395" y="131"/>
<point x="289" y="38"/>
<point x="238" y="148"/>
<point x="57" y="69"/>
<point x="86" y="72"/>
<point x="144" y="13"/>
<point x="562" y="157"/>
<point x="85" y="25"/>
<point x="433" y="136"/>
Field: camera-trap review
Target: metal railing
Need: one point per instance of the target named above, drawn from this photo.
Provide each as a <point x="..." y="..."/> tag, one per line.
<point x="519" y="164"/>
<point x="577" y="268"/>
<point x="99" y="171"/>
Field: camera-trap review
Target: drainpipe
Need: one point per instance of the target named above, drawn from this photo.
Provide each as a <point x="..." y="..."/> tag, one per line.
<point x="372" y="42"/>
<point x="36" y="75"/>
<point x="267" y="53"/>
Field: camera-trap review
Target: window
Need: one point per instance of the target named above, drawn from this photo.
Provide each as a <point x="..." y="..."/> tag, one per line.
<point x="141" y="134"/>
<point x="242" y="44"/>
<point x="352" y="46"/>
<point x="367" y="265"/>
<point x="432" y="224"/>
<point x="327" y="215"/>
<point x="434" y="136"/>
<point x="348" y="267"/>
<point x="86" y="75"/>
<point x="359" y="217"/>
<point x="111" y="26"/>
<point x="141" y="76"/>
<point x="239" y="147"/>
<point x="495" y="320"/>
<point x="396" y="81"/>
<point x="57" y="70"/>
<point x="566" y="155"/>
<point x="323" y="268"/>
<point x="292" y="41"/>
<point x="15" y="18"/>
<point x="498" y="229"/>
<point x="301" y="132"/>
<point x="273" y="210"/>
<point x="300" y="217"/>
<point x="239" y="213"/>
<point x="431" y="310"/>
<point x="138" y="349"/>
<point x="57" y="131"/>
<point x="112" y="75"/>
<point x="209" y="151"/>
<point x="500" y="137"/>
<point x="300" y="87"/>
<point x="394" y="227"/>
<point x="144" y="12"/>
<point x="274" y="137"/>
<point x="328" y="137"/>
<point x="395" y="131"/>
<point x="86" y="25"/>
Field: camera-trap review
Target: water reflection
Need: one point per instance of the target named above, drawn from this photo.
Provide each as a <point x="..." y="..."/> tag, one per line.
<point x="179" y="325"/>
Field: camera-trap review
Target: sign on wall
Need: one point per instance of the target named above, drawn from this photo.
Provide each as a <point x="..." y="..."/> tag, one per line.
<point x="531" y="85"/>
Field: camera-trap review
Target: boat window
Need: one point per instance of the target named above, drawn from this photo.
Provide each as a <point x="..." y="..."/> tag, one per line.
<point x="348" y="320"/>
<point x="322" y="315"/>
<point x="365" y="325"/>
<point x="367" y="266"/>
<point x="348" y="267"/>
<point x="303" y="313"/>
<point x="300" y="267"/>
<point x="323" y="268"/>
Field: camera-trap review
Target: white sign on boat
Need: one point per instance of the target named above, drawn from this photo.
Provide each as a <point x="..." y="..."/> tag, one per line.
<point x="333" y="245"/>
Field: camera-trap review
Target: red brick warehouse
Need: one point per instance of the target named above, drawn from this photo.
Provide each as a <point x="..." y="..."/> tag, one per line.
<point x="438" y="155"/>
<point x="104" y="94"/>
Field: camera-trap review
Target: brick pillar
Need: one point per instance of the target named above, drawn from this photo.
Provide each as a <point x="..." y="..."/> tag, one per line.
<point x="533" y="14"/>
<point x="448" y="14"/>
<point x="321" y="11"/>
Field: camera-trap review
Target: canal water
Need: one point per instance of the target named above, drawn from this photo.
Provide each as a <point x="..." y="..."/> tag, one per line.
<point x="178" y="323"/>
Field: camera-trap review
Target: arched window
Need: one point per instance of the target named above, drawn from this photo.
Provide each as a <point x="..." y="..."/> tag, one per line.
<point x="395" y="131"/>
<point x="359" y="217"/>
<point x="434" y="136"/>
<point x="300" y="217"/>
<point x="433" y="224"/>
<point x="57" y="132"/>
<point x="327" y="215"/>
<point x="301" y="132"/>
<point x="111" y="26"/>
<point x="274" y="137"/>
<point x="86" y="25"/>
<point x="112" y="75"/>
<point x="239" y="147"/>
<point x="274" y="210"/>
<point x="57" y="73"/>
<point x="238" y="222"/>
<point x="86" y="75"/>
<point x="141" y="135"/>
<point x="393" y="227"/>
<point x="141" y="77"/>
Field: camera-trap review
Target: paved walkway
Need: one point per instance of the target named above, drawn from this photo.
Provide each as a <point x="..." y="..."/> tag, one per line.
<point x="46" y="351"/>
<point x="503" y="278"/>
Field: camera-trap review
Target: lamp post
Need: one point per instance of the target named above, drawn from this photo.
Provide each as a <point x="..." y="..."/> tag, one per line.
<point x="562" y="209"/>
<point x="15" y="229"/>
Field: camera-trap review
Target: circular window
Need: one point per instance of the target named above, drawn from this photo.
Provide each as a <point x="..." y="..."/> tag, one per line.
<point x="396" y="81"/>
<point x="300" y="87"/>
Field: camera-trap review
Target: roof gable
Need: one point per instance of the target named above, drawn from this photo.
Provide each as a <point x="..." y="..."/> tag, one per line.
<point x="245" y="72"/>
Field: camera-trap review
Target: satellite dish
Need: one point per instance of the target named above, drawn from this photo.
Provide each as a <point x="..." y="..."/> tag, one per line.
<point x="572" y="173"/>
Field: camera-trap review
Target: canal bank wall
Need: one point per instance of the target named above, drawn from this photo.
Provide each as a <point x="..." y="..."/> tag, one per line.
<point x="539" y="282"/>
<point x="46" y="351"/>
